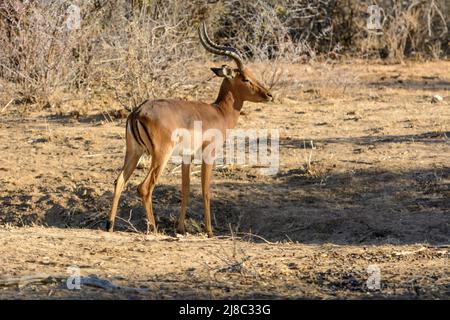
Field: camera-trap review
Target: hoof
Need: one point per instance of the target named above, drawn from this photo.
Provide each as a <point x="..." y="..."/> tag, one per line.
<point x="210" y="234"/>
<point x="181" y="230"/>
<point x="151" y="228"/>
<point x="109" y="226"/>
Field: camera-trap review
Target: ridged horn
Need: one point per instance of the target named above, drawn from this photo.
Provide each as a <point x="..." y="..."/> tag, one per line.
<point x="219" y="50"/>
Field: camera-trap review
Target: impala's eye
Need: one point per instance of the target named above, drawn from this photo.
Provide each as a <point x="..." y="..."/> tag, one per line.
<point x="245" y="80"/>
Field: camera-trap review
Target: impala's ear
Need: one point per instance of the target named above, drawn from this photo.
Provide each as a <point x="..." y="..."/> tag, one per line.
<point x="224" y="72"/>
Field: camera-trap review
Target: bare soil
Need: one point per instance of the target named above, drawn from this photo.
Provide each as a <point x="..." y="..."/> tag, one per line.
<point x="364" y="179"/>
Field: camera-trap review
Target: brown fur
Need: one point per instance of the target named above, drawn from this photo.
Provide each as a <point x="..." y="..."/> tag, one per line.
<point x="150" y="127"/>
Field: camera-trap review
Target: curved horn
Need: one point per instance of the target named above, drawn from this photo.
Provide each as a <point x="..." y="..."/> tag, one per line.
<point x="219" y="50"/>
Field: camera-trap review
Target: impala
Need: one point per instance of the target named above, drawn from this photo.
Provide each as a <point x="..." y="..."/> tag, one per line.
<point x="149" y="129"/>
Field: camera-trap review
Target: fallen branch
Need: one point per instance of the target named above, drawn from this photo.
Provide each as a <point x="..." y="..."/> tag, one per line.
<point x="23" y="281"/>
<point x="94" y="281"/>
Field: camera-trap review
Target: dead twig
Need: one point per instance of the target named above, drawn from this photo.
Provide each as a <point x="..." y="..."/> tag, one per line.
<point x="7" y="105"/>
<point x="128" y="223"/>
<point x="93" y="155"/>
<point x="256" y="236"/>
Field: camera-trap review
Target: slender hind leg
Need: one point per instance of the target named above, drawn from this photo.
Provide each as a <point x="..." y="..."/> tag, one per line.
<point x="145" y="189"/>
<point x="131" y="160"/>
<point x="185" y="181"/>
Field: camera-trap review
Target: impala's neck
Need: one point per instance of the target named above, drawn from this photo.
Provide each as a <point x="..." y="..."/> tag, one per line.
<point x="229" y="103"/>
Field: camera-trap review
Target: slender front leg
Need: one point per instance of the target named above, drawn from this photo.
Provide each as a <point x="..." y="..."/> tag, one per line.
<point x="185" y="182"/>
<point x="206" y="180"/>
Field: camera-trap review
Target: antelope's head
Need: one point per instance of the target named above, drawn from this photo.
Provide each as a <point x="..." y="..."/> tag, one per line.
<point x="242" y="81"/>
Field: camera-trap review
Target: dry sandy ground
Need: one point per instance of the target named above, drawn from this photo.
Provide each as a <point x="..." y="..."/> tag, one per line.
<point x="196" y="267"/>
<point x="364" y="179"/>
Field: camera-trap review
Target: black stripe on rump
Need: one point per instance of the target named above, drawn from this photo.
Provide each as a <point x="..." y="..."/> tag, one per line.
<point x="135" y="131"/>
<point x="148" y="135"/>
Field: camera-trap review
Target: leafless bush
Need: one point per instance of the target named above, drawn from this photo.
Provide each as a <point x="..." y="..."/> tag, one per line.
<point x="275" y="29"/>
<point x="33" y="45"/>
<point x="414" y="28"/>
<point x="411" y="28"/>
<point x="131" y="50"/>
<point x="150" y="56"/>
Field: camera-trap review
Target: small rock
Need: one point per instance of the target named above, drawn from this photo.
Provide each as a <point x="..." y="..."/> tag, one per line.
<point x="374" y="96"/>
<point x="436" y="98"/>
<point x="292" y="266"/>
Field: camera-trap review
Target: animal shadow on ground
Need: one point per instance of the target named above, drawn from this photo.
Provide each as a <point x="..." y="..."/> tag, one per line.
<point x="362" y="206"/>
